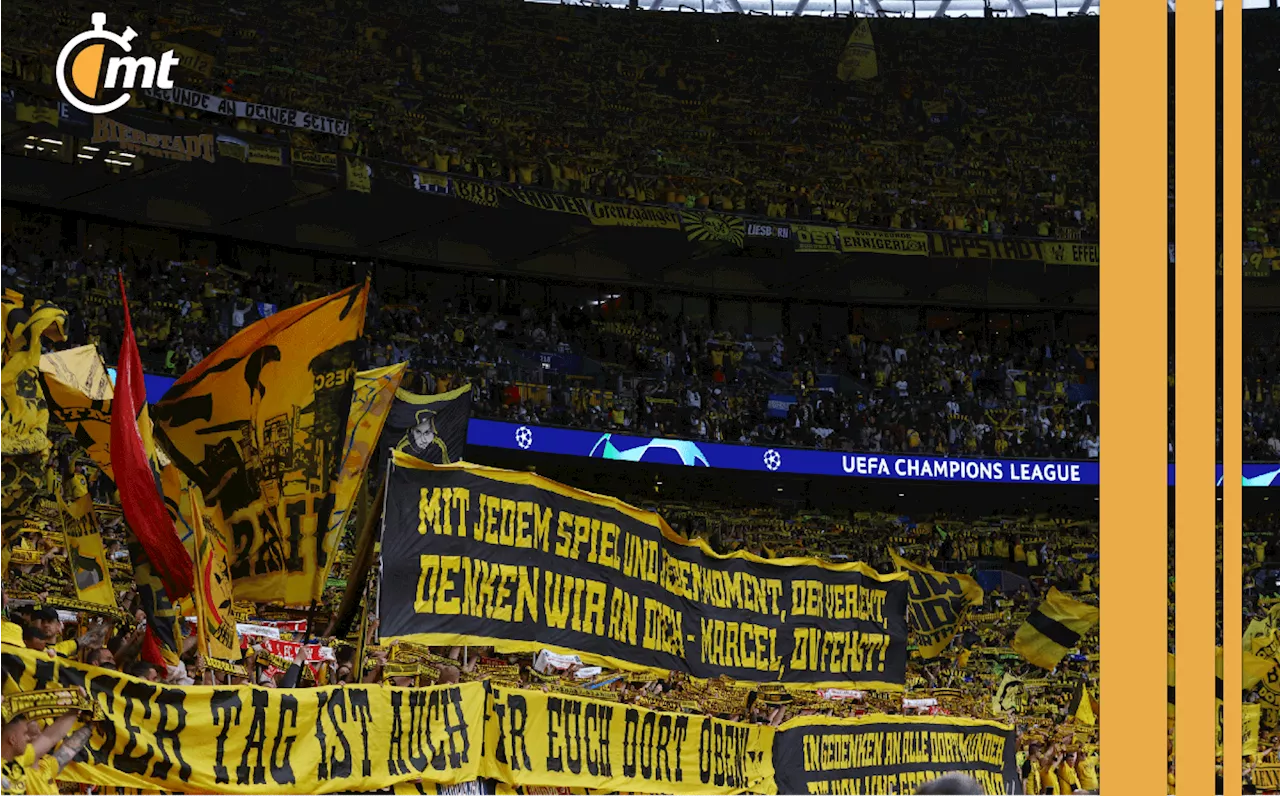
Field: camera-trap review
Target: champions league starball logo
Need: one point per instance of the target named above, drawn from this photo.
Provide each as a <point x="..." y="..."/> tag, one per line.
<point x="772" y="460"/>
<point x="87" y="72"/>
<point x="654" y="451"/>
<point x="524" y="438"/>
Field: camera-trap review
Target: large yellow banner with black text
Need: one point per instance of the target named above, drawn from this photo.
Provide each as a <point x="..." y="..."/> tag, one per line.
<point x="245" y="739"/>
<point x="469" y="737"/>
<point x="551" y="739"/>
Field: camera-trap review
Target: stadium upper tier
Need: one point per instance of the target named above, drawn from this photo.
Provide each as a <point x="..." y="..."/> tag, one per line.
<point x="729" y="112"/>
<point x="875" y="382"/>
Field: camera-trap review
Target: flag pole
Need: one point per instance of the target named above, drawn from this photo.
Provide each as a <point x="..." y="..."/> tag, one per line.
<point x="361" y="560"/>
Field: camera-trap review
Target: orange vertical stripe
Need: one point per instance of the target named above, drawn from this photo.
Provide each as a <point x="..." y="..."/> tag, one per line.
<point x="1195" y="343"/>
<point x="1232" y="413"/>
<point x="1134" y="332"/>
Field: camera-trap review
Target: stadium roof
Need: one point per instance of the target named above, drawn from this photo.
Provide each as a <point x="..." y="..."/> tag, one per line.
<point x="907" y="8"/>
<point x="897" y="8"/>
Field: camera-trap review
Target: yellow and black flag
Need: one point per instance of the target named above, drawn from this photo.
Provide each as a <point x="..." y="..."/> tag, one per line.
<point x="83" y="536"/>
<point x="858" y="59"/>
<point x="81" y="398"/>
<point x="1084" y="708"/>
<point x="258" y="427"/>
<point x="24" y="424"/>
<point x="371" y="400"/>
<point x="1053" y="629"/>
<point x="1008" y="695"/>
<point x="80" y="394"/>
<point x="938" y="603"/>
<point x="432" y="428"/>
<point x="211" y="596"/>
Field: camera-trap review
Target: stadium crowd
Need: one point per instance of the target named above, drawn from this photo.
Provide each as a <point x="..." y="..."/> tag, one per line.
<point x="928" y="392"/>
<point x="1261" y="570"/>
<point x="1027" y="554"/>
<point x="724" y="111"/>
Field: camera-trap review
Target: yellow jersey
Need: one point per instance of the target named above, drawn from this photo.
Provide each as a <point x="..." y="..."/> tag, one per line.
<point x="28" y="775"/>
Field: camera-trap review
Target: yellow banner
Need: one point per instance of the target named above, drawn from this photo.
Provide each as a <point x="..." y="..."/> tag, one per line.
<point x="883" y="241"/>
<point x="354" y="739"/>
<point x="816" y="238"/>
<point x="1067" y="253"/>
<point x="1266" y="777"/>
<point x="325" y="161"/>
<point x="349" y="739"/>
<point x="35" y="114"/>
<point x="84" y="542"/>
<point x="553" y="739"/>
<point x="1251" y="716"/>
<point x="258" y="426"/>
<point x="371" y="399"/>
<point x="358" y="176"/>
<point x="615" y="214"/>
<point x="265" y="155"/>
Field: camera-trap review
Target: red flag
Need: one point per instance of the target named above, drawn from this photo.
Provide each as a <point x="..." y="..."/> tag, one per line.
<point x="139" y="497"/>
<point x="150" y="651"/>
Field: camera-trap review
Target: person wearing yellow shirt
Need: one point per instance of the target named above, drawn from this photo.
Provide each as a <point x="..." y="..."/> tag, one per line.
<point x="1067" y="776"/>
<point x="1030" y="767"/>
<point x="28" y="766"/>
<point x="11" y="633"/>
<point x="1087" y="769"/>
<point x="1019" y="553"/>
<point x="1049" y="783"/>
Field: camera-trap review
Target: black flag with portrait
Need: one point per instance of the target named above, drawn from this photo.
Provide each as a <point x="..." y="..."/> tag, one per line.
<point x="432" y="428"/>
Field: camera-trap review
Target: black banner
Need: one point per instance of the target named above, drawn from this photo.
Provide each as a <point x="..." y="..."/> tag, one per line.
<point x="476" y="555"/>
<point x="892" y="754"/>
<point x="432" y="428"/>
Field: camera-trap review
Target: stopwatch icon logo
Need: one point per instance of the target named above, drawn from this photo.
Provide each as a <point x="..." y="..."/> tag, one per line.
<point x="86" y="73"/>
